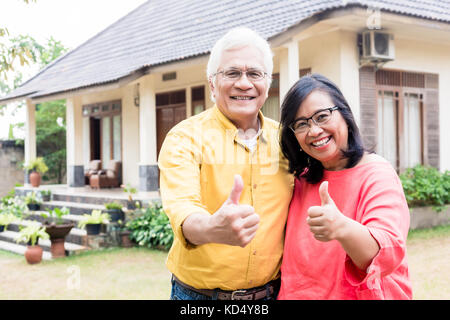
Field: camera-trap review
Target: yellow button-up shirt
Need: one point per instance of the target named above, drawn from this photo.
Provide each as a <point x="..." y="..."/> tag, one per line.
<point x="197" y="162"/>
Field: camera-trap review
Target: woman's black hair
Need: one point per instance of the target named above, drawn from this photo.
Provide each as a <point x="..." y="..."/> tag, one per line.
<point x="299" y="160"/>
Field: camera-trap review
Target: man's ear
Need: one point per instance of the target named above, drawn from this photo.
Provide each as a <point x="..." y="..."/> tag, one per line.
<point x="211" y="86"/>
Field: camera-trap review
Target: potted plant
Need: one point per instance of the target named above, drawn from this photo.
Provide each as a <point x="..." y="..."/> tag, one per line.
<point x="46" y="195"/>
<point x="92" y="222"/>
<point x="15" y="205"/>
<point x="5" y="219"/>
<point x="31" y="235"/>
<point x="57" y="230"/>
<point x="124" y="235"/>
<point x="33" y="202"/>
<point x="114" y="209"/>
<point x="130" y="203"/>
<point x="36" y="167"/>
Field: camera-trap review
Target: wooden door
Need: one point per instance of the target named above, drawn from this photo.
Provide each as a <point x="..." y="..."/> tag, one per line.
<point x="167" y="117"/>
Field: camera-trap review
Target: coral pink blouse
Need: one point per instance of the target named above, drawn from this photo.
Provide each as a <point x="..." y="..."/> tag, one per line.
<point x="371" y="194"/>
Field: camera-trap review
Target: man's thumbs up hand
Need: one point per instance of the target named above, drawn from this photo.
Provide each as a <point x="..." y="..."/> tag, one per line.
<point x="325" y="221"/>
<point x="236" y="191"/>
<point x="234" y="224"/>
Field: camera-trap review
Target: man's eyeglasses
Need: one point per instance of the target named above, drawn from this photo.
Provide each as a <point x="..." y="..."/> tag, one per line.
<point x="236" y="74"/>
<point x="319" y="118"/>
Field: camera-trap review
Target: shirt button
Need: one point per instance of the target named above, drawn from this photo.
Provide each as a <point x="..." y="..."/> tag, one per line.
<point x="254" y="253"/>
<point x="254" y="186"/>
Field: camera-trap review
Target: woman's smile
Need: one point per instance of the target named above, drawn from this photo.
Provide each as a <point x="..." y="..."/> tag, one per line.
<point x="321" y="143"/>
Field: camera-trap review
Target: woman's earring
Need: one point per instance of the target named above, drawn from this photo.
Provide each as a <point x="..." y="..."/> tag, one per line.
<point x="301" y="149"/>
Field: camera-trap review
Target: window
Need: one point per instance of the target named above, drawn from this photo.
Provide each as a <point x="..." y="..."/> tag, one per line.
<point x="400" y="127"/>
<point x="271" y="107"/>
<point x="105" y="130"/>
<point x="198" y="100"/>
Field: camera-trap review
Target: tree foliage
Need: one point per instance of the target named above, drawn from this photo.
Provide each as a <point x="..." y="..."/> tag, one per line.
<point x="15" y="50"/>
<point x="51" y="138"/>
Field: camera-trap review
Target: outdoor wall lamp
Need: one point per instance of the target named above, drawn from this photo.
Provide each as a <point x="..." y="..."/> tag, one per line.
<point x="136" y="95"/>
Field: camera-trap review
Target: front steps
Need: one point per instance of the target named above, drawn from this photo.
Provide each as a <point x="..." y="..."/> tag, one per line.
<point x="78" y="203"/>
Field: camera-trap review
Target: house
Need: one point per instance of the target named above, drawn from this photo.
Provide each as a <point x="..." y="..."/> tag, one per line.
<point x="128" y="85"/>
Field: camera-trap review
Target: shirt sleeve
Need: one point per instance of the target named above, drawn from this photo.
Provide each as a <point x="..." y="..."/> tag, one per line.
<point x="384" y="211"/>
<point x="179" y="164"/>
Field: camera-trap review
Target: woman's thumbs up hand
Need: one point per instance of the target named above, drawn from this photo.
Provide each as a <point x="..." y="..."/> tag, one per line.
<point x="325" y="221"/>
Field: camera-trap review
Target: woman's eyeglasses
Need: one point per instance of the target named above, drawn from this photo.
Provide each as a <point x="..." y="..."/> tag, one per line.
<point x="319" y="118"/>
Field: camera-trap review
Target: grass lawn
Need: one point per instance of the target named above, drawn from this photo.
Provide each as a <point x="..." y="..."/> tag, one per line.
<point x="140" y="273"/>
<point x="135" y="273"/>
<point x="428" y="253"/>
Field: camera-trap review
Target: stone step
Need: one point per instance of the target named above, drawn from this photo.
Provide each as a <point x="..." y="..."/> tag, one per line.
<point x="11" y="236"/>
<point x="86" y="195"/>
<point x="88" y="199"/>
<point x="76" y="235"/>
<point x="74" y="207"/>
<point x="20" y="249"/>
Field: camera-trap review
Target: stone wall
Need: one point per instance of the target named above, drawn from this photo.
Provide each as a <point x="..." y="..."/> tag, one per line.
<point x="426" y="217"/>
<point x="11" y="156"/>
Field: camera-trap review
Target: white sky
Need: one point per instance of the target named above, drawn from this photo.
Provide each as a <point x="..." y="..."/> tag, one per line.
<point x="70" y="21"/>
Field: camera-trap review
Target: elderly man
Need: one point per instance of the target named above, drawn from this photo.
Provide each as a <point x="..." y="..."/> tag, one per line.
<point x="224" y="183"/>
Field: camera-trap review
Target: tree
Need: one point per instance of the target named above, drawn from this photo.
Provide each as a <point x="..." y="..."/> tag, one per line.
<point x="50" y="116"/>
<point x="15" y="50"/>
<point x="51" y="138"/>
<point x="51" y="119"/>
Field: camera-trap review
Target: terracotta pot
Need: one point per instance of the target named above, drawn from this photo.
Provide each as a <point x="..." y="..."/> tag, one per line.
<point x="33" y="254"/>
<point x="57" y="233"/>
<point x="35" y="179"/>
<point x="125" y="239"/>
<point x="57" y="248"/>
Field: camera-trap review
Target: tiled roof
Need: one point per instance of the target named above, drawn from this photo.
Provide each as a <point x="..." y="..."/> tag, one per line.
<point x="161" y="31"/>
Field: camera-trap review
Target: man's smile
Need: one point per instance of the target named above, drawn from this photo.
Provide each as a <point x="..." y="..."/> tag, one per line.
<point x="242" y="98"/>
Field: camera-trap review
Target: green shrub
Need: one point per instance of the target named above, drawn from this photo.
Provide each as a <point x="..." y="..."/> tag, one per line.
<point x="426" y="186"/>
<point x="151" y="227"/>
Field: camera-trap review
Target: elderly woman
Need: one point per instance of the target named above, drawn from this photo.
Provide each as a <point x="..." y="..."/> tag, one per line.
<point x="348" y="218"/>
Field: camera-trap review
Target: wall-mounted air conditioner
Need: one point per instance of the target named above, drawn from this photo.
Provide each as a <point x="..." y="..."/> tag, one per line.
<point x="377" y="45"/>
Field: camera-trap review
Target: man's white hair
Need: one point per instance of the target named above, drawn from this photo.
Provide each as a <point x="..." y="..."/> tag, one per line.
<point x="237" y="38"/>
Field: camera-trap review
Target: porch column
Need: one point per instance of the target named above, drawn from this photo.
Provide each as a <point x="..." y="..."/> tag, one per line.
<point x="289" y="67"/>
<point x="188" y="102"/>
<point x="30" y="136"/>
<point x="74" y="143"/>
<point x="148" y="165"/>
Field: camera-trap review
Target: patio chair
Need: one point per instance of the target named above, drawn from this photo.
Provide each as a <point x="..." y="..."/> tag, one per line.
<point x="94" y="167"/>
<point x="107" y="178"/>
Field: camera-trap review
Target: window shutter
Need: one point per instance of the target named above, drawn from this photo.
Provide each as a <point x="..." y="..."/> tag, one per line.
<point x="368" y="107"/>
<point x="431" y="102"/>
